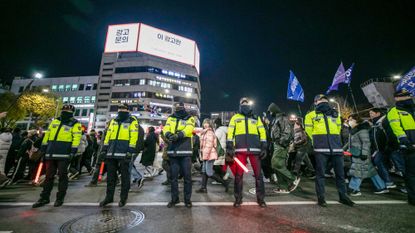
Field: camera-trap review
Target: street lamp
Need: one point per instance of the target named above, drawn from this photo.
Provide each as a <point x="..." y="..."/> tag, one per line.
<point x="396" y="77"/>
<point x="38" y="75"/>
<point x="45" y="90"/>
<point x="251" y="102"/>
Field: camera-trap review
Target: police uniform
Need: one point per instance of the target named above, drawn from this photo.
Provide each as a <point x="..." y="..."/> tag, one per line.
<point x="60" y="143"/>
<point x="179" y="131"/>
<point x="402" y="123"/>
<point x="247" y="138"/>
<point x="119" y="146"/>
<point x="323" y="126"/>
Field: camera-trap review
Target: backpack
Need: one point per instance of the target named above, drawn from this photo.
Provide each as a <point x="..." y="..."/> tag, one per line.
<point x="219" y="150"/>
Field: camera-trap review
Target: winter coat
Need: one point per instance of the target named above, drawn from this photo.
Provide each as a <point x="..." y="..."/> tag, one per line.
<point x="221" y="133"/>
<point x="149" y="152"/>
<point x="378" y="136"/>
<point x="208" y="145"/>
<point x="281" y="131"/>
<point x="300" y="138"/>
<point x="82" y="145"/>
<point x="5" y="143"/>
<point x="359" y="144"/>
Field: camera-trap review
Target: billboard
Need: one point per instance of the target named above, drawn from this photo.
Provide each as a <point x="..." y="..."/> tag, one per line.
<point x="146" y="39"/>
<point x="122" y="38"/>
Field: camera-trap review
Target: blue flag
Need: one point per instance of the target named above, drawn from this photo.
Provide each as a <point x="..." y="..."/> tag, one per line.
<point x="348" y="75"/>
<point x="339" y="77"/>
<point x="294" y="91"/>
<point x="408" y="82"/>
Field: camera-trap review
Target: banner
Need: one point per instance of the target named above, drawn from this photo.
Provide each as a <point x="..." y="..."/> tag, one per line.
<point x="407" y="82"/>
<point x="339" y="77"/>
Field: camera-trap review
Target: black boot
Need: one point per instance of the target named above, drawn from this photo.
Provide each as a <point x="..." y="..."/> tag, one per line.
<point x="105" y="202"/>
<point x="204" y="184"/>
<point x="58" y="202"/>
<point x="219" y="179"/>
<point x="172" y="203"/>
<point x="122" y="203"/>
<point x="40" y="202"/>
<point x="321" y="202"/>
<point x="345" y="200"/>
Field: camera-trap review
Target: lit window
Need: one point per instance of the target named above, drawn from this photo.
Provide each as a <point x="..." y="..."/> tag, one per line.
<point x="54" y="87"/>
<point x="68" y="87"/>
<point x="92" y="99"/>
<point x="65" y="99"/>
<point x="142" y="82"/>
<point x="87" y="99"/>
<point x="61" y="88"/>
<point x="74" y="87"/>
<point x="72" y="100"/>
<point x="79" y="100"/>
<point x="88" y="86"/>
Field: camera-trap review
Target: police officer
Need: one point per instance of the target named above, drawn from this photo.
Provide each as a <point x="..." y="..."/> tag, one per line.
<point x="59" y="146"/>
<point x="178" y="131"/>
<point x="247" y="138"/>
<point x="401" y="120"/>
<point x="119" y="147"/>
<point x="323" y="127"/>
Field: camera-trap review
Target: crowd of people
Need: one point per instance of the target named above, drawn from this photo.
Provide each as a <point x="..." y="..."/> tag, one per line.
<point x="281" y="151"/>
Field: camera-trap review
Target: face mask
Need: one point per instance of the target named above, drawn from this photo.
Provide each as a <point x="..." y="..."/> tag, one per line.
<point x="245" y="109"/>
<point x="123" y="115"/>
<point x="352" y="123"/>
<point x="65" y="116"/>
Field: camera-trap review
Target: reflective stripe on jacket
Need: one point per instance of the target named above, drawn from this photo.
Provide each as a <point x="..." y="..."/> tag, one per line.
<point x="62" y="138"/>
<point x="175" y="125"/>
<point x="324" y="132"/>
<point x="246" y="133"/>
<point x="402" y="124"/>
<point x="121" y="137"/>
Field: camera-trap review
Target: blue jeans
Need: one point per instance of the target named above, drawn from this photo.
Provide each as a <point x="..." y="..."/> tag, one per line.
<point x="378" y="160"/>
<point x="398" y="161"/>
<point x="355" y="183"/>
<point x="208" y="167"/>
<point x="134" y="172"/>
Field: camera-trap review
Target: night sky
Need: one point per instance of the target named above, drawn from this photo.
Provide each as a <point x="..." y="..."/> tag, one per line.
<point x="247" y="47"/>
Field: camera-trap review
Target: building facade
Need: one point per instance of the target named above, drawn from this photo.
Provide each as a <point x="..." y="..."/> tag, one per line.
<point x="77" y="90"/>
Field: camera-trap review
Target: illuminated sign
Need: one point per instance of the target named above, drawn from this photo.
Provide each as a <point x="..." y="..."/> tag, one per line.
<point x="146" y="39"/>
<point x="122" y="38"/>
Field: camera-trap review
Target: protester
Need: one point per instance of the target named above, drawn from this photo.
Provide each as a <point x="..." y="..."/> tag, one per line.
<point x="302" y="147"/>
<point x="281" y="135"/>
<point x="362" y="167"/>
<point x="12" y="153"/>
<point x="149" y="153"/>
<point x="5" y="143"/>
<point x="379" y="145"/>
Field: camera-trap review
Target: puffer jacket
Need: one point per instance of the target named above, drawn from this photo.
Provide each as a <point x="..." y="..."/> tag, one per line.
<point x="208" y="145"/>
<point x="221" y="133"/>
<point x="82" y="145"/>
<point x="359" y="144"/>
<point x="5" y="143"/>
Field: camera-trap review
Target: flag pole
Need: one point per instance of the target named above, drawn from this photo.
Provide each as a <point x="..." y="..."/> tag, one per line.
<point x="299" y="109"/>
<point x="353" y="99"/>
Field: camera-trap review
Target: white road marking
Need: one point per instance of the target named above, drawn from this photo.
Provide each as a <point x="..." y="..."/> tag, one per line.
<point x="271" y="203"/>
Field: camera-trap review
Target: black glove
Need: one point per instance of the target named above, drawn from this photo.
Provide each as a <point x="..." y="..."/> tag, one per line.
<point x="405" y="145"/>
<point x="230" y="152"/>
<point x="363" y="157"/>
<point x="180" y="135"/>
<point x="174" y="137"/>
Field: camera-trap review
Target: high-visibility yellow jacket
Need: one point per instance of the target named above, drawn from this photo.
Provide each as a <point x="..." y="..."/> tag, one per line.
<point x="402" y="124"/>
<point x="62" y="139"/>
<point x="121" y="137"/>
<point x="324" y="132"/>
<point x="246" y="133"/>
<point x="183" y="127"/>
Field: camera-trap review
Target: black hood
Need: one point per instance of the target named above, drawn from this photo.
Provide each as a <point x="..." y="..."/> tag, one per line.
<point x="326" y="109"/>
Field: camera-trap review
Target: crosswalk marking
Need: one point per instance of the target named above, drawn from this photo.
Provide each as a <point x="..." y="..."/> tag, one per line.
<point x="271" y="203"/>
